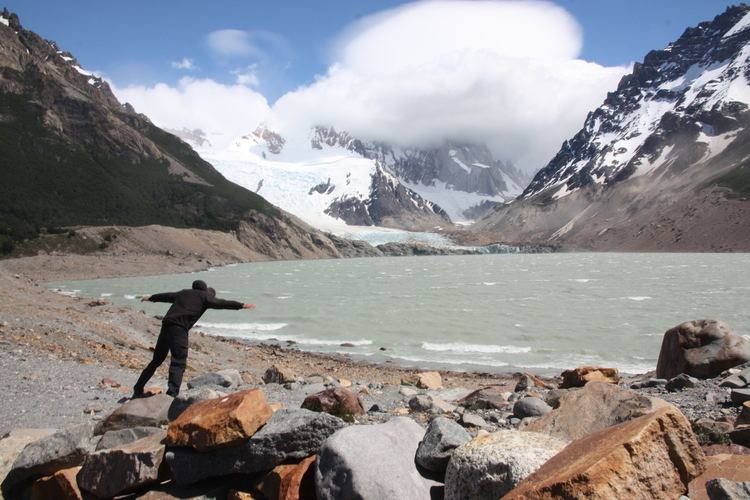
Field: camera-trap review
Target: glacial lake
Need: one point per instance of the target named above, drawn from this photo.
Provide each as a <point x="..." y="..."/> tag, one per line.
<point x="496" y="313"/>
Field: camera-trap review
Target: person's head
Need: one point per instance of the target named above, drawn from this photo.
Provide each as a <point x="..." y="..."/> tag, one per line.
<point x="211" y="292"/>
<point x="199" y="285"/>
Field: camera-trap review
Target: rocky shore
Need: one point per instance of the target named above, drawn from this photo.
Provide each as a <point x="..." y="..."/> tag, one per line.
<point x="587" y="433"/>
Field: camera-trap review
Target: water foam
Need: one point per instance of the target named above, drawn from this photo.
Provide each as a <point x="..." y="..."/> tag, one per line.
<point x="252" y="327"/>
<point x="474" y="348"/>
<point x="639" y="298"/>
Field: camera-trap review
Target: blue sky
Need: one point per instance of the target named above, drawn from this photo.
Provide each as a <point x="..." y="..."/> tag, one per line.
<point x="135" y="42"/>
<point x="518" y="76"/>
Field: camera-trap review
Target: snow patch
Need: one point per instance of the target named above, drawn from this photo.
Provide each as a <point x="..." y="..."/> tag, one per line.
<point x="741" y="25"/>
<point x="4" y="21"/>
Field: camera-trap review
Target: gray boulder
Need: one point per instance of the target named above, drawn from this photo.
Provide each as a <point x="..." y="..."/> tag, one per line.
<point x="733" y="382"/>
<point x="530" y="407"/>
<point x="442" y="437"/>
<point x="115" y="439"/>
<point x="290" y="434"/>
<point x="152" y="411"/>
<point x="190" y="397"/>
<point x="373" y="461"/>
<point x="61" y="450"/>
<point x="107" y="473"/>
<point x="680" y="382"/>
<point x="739" y="396"/>
<point x="14" y="442"/>
<point x="472" y="420"/>
<point x="229" y="378"/>
<point x="724" y="489"/>
<point x="420" y="402"/>
<point x="491" y="465"/>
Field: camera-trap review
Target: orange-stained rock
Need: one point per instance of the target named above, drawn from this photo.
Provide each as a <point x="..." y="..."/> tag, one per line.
<point x="578" y="377"/>
<point x="61" y="485"/>
<point x="337" y="401"/>
<point x="429" y="380"/>
<point x="654" y="456"/>
<point x="732" y="467"/>
<point x="222" y="421"/>
<point x="291" y="482"/>
<point x="597" y="406"/>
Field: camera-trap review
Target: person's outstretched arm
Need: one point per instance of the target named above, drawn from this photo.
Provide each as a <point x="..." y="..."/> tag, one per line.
<point x="214" y="303"/>
<point x="160" y="297"/>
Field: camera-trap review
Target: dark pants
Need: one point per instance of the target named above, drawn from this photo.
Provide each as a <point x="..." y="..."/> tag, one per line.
<point x="174" y="339"/>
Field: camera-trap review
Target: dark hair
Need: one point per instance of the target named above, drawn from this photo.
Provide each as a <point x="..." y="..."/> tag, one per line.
<point x="199" y="285"/>
<point x="211" y="292"/>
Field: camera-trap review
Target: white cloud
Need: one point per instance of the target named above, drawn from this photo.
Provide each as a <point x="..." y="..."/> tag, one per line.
<point x="184" y="63"/>
<point x="247" y="76"/>
<point x="223" y="111"/>
<point x="501" y="72"/>
<point x="255" y="44"/>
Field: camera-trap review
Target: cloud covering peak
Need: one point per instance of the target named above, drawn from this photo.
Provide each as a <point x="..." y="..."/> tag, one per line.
<point x="501" y="72"/>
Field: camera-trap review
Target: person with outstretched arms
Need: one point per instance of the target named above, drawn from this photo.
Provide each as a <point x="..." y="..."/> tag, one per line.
<point x="187" y="307"/>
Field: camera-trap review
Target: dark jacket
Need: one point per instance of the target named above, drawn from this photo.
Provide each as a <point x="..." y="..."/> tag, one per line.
<point x="189" y="305"/>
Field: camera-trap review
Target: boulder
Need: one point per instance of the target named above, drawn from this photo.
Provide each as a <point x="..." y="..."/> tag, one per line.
<point x="15" y="441"/>
<point x="152" y="411"/>
<point x="337" y="401"/>
<point x="711" y="431"/>
<point x="473" y="420"/>
<point x="278" y="375"/>
<point x="429" y="380"/>
<point x="654" y="456"/>
<point x="739" y="396"/>
<point x="291" y="481"/>
<point x="490" y="397"/>
<point x="741" y="435"/>
<point x="439" y="406"/>
<point x="190" y="397"/>
<point x="680" y="382"/>
<point x="744" y="416"/>
<point x="733" y="382"/>
<point x="442" y="437"/>
<point x="229" y="379"/>
<point x="61" y="485"/>
<point x="724" y="489"/>
<point x="592" y="408"/>
<point x="372" y="461"/>
<point x="420" y="402"/>
<point x="578" y="377"/>
<point x="290" y="434"/>
<point x="702" y="349"/>
<point x="107" y="473"/>
<point x="63" y="449"/>
<point x="220" y="422"/>
<point x="530" y="407"/>
<point x="490" y="465"/>
<point x="731" y="467"/>
<point x="407" y="391"/>
<point x="115" y="439"/>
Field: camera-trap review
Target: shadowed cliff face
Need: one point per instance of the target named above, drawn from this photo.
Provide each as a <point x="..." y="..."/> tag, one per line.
<point x="73" y="155"/>
<point x="662" y="164"/>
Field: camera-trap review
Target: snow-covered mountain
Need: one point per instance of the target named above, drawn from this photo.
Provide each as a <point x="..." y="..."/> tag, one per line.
<point x="329" y="178"/>
<point x="672" y="136"/>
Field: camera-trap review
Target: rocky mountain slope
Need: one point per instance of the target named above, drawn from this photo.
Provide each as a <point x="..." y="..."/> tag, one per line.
<point x="662" y="164"/>
<point x="73" y="155"/>
<point x="329" y="177"/>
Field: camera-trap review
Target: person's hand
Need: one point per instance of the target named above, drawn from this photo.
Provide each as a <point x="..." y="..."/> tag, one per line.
<point x="144" y="298"/>
<point x="248" y="306"/>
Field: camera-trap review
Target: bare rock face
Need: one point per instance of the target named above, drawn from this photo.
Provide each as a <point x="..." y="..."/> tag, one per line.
<point x="337" y="401"/>
<point x="291" y="481"/>
<point x="701" y="348"/>
<point x="61" y="485"/>
<point x="578" y="377"/>
<point x="107" y="473"/>
<point x="144" y="412"/>
<point x="218" y="422"/>
<point x="597" y="406"/>
<point x="654" y="456"/>
<point x="490" y="465"/>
